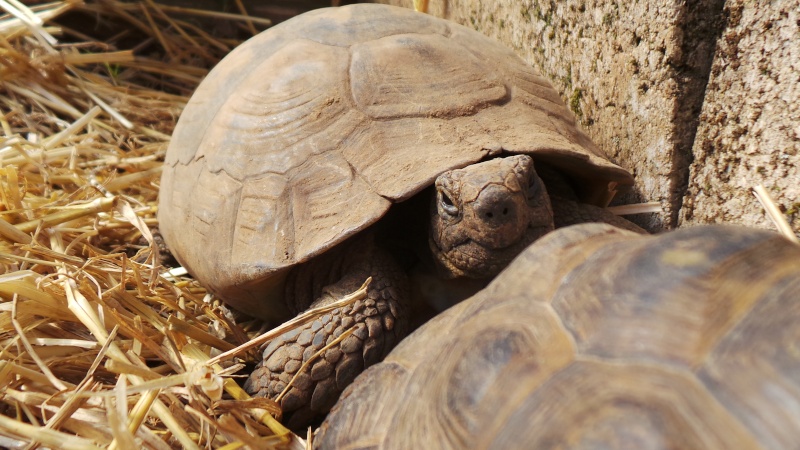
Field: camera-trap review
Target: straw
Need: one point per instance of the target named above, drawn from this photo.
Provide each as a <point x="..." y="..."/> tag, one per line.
<point x="99" y="350"/>
<point x="774" y="213"/>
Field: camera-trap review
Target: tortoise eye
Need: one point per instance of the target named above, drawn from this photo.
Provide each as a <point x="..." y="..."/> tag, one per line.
<point x="446" y="203"/>
<point x="534" y="187"/>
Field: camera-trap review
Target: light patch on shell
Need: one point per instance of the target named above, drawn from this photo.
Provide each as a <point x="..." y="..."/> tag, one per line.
<point x="684" y="258"/>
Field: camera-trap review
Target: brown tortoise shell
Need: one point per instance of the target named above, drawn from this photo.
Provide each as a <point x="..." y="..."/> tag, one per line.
<point x="307" y="133"/>
<point x="596" y="338"/>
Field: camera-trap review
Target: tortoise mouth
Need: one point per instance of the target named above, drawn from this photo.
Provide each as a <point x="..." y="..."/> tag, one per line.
<point x="473" y="259"/>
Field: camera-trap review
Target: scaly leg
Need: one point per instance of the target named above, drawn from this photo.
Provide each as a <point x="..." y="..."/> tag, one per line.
<point x="379" y="321"/>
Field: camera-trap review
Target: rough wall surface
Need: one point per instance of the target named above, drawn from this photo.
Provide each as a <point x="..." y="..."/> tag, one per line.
<point x="632" y="71"/>
<point x="750" y="123"/>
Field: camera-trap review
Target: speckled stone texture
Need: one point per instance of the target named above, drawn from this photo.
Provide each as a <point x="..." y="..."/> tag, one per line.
<point x="633" y="72"/>
<point x="750" y="124"/>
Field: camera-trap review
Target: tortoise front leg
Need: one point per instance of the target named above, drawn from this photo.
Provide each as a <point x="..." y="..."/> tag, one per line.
<point x="373" y="324"/>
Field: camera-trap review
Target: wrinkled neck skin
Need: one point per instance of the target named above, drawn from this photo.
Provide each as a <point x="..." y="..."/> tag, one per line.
<point x="484" y="215"/>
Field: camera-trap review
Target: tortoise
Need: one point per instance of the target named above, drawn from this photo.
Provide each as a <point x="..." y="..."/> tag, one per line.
<point x="282" y="169"/>
<point x="595" y="337"/>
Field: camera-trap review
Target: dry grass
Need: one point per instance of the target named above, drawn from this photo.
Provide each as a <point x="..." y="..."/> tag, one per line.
<point x="99" y="349"/>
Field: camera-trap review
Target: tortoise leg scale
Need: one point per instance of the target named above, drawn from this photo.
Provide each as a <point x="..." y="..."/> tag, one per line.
<point x="378" y="322"/>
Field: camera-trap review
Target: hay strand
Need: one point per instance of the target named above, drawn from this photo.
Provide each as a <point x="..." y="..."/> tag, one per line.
<point x="99" y="349"/>
<point x="636" y="208"/>
<point x="301" y="319"/>
<point x="774" y="213"/>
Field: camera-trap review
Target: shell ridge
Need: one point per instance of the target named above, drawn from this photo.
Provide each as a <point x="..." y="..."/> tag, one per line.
<point x="264" y="101"/>
<point x="316" y="150"/>
<point x="232" y="230"/>
<point x="357" y="175"/>
<point x="556" y="106"/>
<point x="282" y="129"/>
<point x="330" y="44"/>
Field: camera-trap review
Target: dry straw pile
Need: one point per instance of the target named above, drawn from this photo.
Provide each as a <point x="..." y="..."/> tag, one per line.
<point x="101" y="348"/>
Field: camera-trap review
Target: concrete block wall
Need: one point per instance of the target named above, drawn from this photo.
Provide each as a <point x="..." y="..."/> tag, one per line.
<point x="749" y="131"/>
<point x="638" y="76"/>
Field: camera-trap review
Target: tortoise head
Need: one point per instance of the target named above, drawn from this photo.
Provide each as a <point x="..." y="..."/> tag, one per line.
<point x="483" y="215"/>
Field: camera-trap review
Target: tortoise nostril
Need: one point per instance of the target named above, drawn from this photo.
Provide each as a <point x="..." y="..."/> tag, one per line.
<point x="496" y="206"/>
<point x="497" y="213"/>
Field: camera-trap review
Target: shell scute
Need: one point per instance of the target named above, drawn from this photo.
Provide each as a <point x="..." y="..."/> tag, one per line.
<point x="420" y="151"/>
<point x="275" y="123"/>
<point x="214" y="201"/>
<point x="322" y="189"/>
<point x="264" y="227"/>
<point x="755" y="369"/>
<point x="421" y="76"/>
<point x="215" y="90"/>
<point x="596" y="404"/>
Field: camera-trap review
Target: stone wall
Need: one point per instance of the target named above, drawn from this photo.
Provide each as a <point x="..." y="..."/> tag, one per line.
<point x="636" y="72"/>
<point x="749" y="132"/>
